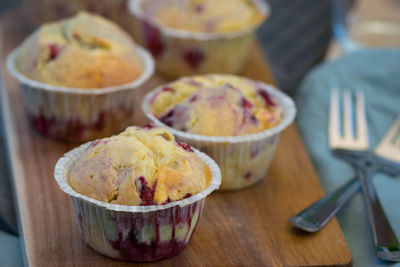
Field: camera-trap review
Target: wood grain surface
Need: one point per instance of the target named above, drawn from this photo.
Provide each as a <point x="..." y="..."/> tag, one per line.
<point x="247" y="228"/>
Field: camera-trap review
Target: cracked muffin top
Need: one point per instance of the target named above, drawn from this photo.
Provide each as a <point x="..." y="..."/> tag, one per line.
<point x="204" y="15"/>
<point x="216" y="105"/>
<point x="85" y="51"/>
<point x="140" y="166"/>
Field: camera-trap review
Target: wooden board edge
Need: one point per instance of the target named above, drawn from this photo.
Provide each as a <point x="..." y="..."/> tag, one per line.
<point x="13" y="162"/>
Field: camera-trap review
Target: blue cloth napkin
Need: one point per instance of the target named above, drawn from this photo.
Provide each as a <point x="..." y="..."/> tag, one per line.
<point x="10" y="250"/>
<point x="377" y="73"/>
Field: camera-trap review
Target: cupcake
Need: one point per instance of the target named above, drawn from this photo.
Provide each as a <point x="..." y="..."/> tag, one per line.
<point x="137" y="195"/>
<point x="78" y="77"/>
<point x="197" y="36"/>
<point x="235" y="120"/>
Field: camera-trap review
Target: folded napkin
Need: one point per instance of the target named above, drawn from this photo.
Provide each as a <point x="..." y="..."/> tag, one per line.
<point x="377" y="73"/>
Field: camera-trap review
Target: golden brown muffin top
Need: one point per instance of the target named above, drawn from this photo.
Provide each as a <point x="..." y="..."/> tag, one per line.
<point x="140" y="166"/>
<point x="216" y="105"/>
<point x="85" y="51"/>
<point x="204" y="15"/>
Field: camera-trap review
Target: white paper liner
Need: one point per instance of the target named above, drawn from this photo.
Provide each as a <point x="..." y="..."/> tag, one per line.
<point x="135" y="8"/>
<point x="63" y="165"/>
<point x="148" y="71"/>
<point x="287" y="104"/>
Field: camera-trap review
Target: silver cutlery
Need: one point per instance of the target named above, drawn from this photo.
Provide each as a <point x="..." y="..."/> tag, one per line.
<point x="353" y="147"/>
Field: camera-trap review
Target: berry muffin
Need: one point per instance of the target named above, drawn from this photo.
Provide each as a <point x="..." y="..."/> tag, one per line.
<point x="137" y="195"/>
<point x="78" y="77"/>
<point x="233" y="119"/>
<point x="85" y="51"/>
<point x="197" y="36"/>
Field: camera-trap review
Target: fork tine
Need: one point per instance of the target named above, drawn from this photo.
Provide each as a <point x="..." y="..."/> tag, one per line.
<point x="397" y="142"/>
<point x="362" y="132"/>
<point x="387" y="140"/>
<point x="347" y="116"/>
<point x="334" y="120"/>
<point x="386" y="147"/>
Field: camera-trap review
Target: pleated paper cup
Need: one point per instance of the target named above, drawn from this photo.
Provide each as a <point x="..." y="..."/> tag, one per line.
<point x="78" y="114"/>
<point x="135" y="233"/>
<point x="182" y="53"/>
<point x="243" y="160"/>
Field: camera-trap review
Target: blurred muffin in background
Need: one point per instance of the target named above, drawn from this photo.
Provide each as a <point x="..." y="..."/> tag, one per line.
<point x="85" y="51"/>
<point x="189" y="37"/>
<point x="79" y="77"/>
<point x="203" y="15"/>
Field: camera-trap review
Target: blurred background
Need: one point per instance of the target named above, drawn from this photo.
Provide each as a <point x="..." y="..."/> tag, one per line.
<point x="294" y="38"/>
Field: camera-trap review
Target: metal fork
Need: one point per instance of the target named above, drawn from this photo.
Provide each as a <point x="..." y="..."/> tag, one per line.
<point x="353" y="147"/>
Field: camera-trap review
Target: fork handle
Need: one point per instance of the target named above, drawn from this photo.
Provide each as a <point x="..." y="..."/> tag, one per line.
<point x="385" y="241"/>
<point x="315" y="216"/>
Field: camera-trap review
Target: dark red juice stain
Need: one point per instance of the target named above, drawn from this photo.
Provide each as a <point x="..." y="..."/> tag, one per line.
<point x="245" y="103"/>
<point x="54" y="51"/>
<point x="167" y="119"/>
<point x="267" y="98"/>
<point x="148" y="126"/>
<point x="248" y="175"/>
<point x="146" y="192"/>
<point x="193" y="57"/>
<point x="131" y="248"/>
<point x="193" y="98"/>
<point x="184" y="146"/>
<point x="152" y="39"/>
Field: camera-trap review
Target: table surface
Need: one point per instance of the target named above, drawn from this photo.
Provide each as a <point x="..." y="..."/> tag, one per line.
<point x="247" y="227"/>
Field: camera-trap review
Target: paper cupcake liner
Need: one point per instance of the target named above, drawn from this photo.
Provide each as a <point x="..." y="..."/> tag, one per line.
<point x="75" y="114"/>
<point x="182" y="53"/>
<point x="243" y="160"/>
<point x="137" y="233"/>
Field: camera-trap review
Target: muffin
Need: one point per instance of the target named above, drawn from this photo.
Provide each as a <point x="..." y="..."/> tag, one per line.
<point x="235" y="120"/>
<point x="197" y="36"/>
<point x="78" y="77"/>
<point x="137" y="195"/>
<point x="85" y="51"/>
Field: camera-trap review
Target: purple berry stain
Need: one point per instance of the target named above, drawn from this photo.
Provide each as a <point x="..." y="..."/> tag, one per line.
<point x="193" y="98"/>
<point x="146" y="193"/>
<point x="167" y="118"/>
<point x="248" y="175"/>
<point x="193" y="57"/>
<point x="54" y="51"/>
<point x="152" y="38"/>
<point x="267" y="98"/>
<point x="148" y="126"/>
<point x="184" y="146"/>
<point x="246" y="103"/>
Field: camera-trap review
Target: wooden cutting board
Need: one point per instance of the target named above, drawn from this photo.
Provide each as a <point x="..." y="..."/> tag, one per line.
<point x="247" y="228"/>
